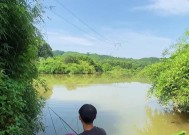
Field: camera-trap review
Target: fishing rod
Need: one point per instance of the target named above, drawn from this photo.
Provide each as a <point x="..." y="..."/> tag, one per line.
<point x="63" y="121"/>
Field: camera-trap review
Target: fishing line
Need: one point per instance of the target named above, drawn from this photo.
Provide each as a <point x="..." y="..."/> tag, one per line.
<point x="63" y="121"/>
<point x="52" y="122"/>
<point x="77" y="119"/>
<point x="64" y="126"/>
<point x="77" y="126"/>
<point x="45" y="119"/>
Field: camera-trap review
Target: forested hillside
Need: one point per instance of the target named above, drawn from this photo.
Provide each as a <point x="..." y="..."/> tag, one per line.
<point x="78" y="63"/>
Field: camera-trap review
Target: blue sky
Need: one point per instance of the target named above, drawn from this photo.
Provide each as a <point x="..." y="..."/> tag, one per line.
<point x="121" y="28"/>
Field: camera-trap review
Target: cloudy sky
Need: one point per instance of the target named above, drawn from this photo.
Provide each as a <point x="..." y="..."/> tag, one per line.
<point x="122" y="28"/>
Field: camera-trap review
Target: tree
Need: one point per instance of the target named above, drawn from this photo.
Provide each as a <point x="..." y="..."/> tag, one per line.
<point x="58" y="52"/>
<point x="45" y="50"/>
<point x="19" y="41"/>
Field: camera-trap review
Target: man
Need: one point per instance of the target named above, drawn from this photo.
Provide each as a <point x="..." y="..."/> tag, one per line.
<point x="87" y="115"/>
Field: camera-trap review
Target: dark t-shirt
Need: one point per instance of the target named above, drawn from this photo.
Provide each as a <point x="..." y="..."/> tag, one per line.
<point x="94" y="131"/>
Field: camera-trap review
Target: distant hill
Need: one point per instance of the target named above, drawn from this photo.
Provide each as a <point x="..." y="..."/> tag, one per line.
<point x="58" y="52"/>
<point x="99" y="57"/>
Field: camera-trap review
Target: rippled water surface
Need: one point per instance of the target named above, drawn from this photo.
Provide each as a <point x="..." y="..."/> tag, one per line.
<point x="122" y="105"/>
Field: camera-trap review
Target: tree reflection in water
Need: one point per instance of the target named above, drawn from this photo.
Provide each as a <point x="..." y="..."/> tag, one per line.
<point x="162" y="122"/>
<point x="72" y="82"/>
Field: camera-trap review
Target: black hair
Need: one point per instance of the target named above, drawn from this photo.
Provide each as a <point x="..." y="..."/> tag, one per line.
<point x="87" y="113"/>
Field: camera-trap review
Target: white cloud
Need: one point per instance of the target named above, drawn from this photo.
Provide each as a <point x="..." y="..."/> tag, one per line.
<point x="167" y="7"/>
<point x="138" y="44"/>
<point x="58" y="38"/>
<point x="133" y="43"/>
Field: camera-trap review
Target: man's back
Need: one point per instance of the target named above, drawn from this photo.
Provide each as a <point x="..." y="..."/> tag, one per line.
<point x="94" y="131"/>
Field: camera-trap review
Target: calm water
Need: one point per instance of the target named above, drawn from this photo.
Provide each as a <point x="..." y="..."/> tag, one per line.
<point x="122" y="104"/>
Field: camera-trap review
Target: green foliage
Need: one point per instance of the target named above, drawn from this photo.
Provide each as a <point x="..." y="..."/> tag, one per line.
<point x="57" y="53"/>
<point x="77" y="63"/>
<point x="19" y="41"/>
<point x="170" y="77"/>
<point x="181" y="133"/>
<point x="67" y="64"/>
<point x="106" y="67"/>
<point x="19" y="108"/>
<point x="45" y="50"/>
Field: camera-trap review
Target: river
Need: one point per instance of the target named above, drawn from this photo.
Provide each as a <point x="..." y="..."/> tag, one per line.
<point x="122" y="104"/>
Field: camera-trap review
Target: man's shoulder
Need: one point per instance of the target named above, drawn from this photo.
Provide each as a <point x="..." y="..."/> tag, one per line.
<point x="94" y="131"/>
<point x="100" y="129"/>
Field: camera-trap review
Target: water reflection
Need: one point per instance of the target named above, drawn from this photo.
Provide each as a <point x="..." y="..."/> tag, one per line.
<point x="72" y="82"/>
<point x="121" y="102"/>
<point x="161" y="122"/>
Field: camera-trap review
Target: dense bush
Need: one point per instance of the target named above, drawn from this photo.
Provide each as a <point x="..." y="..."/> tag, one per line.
<point x="170" y="77"/>
<point x="19" y="39"/>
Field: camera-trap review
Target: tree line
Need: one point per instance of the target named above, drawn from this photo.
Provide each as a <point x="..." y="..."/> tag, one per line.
<point x="78" y="63"/>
